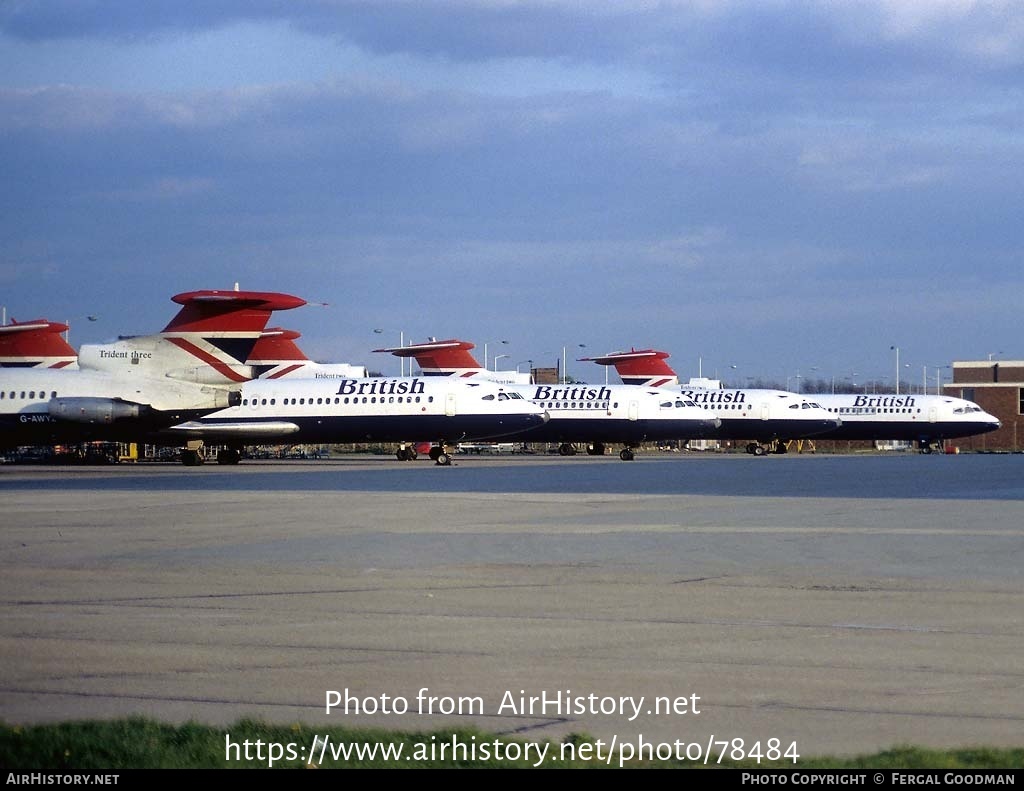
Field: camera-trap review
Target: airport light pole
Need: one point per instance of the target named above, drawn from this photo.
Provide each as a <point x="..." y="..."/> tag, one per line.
<point x="897" y="348"/>
<point x="485" y="350"/>
<point x="565" y="373"/>
<point x="498" y="357"/>
<point x="401" y="342"/>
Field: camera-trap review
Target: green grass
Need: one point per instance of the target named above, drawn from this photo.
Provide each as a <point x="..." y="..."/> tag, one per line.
<point x="145" y="744"/>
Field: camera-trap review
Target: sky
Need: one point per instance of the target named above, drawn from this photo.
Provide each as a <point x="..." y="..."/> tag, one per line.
<point x="776" y="189"/>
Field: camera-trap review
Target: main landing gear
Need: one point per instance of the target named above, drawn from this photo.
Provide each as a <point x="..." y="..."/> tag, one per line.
<point x="595" y="449"/>
<point x="440" y="455"/>
<point x="761" y="448"/>
<point x="781" y="446"/>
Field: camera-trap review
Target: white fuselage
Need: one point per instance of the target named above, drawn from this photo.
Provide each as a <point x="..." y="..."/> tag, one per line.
<point x="921" y="418"/>
<point x="376" y="409"/>
<point x="614" y="413"/>
<point x="761" y="414"/>
<point x="48" y="407"/>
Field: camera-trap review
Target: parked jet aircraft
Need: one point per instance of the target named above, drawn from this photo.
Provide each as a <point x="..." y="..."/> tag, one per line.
<point x="595" y="414"/>
<point x="766" y="417"/>
<point x="364" y="410"/>
<point x="924" y="419"/>
<point x="138" y="384"/>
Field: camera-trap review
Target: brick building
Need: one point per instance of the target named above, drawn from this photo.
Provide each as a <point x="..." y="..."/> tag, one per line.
<point x="997" y="386"/>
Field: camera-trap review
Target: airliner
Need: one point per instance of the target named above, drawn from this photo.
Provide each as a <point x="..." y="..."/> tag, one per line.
<point x="371" y="409"/>
<point x="767" y="417"/>
<point x="924" y="419"/>
<point x="139" y="384"/>
<point x="927" y="420"/>
<point x="593" y="414"/>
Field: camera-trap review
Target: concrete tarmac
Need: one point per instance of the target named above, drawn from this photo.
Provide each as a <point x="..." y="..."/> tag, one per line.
<point x="843" y="625"/>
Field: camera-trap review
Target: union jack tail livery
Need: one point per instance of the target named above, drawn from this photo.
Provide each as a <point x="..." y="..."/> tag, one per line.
<point x="277" y="356"/>
<point x="452" y="358"/>
<point x="440" y="358"/>
<point x="35" y="344"/>
<point x="208" y="342"/>
<point x="639" y="367"/>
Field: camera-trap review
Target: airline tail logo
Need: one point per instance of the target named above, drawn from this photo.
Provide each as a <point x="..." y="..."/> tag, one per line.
<point x="221" y="328"/>
<point x="35" y="344"/>
<point x="644" y="367"/>
<point x="440" y="358"/>
<point x="214" y="334"/>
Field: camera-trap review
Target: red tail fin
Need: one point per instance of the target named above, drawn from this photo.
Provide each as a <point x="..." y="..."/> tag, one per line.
<point x="228" y="311"/>
<point x="32" y="344"/>
<point x="209" y="341"/>
<point x="640" y="367"/>
<point x="440" y="358"/>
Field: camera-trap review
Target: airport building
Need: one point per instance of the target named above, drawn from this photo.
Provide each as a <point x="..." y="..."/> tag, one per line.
<point x="997" y="386"/>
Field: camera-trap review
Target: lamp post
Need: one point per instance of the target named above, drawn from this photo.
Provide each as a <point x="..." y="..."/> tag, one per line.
<point x="498" y="357"/>
<point x="565" y="373"/>
<point x="485" y="350"/>
<point x="401" y="342"/>
<point x="897" y="348"/>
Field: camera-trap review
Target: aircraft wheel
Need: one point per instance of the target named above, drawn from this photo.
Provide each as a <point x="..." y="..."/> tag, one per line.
<point x="229" y="457"/>
<point x="402" y="454"/>
<point x="626" y="454"/>
<point x="191" y="458"/>
<point x="435" y="452"/>
<point x="926" y="449"/>
<point x="758" y="450"/>
<point x="444" y="459"/>
<point x="565" y="449"/>
<point x="751" y="447"/>
<point x="411" y="454"/>
<point x="595" y="449"/>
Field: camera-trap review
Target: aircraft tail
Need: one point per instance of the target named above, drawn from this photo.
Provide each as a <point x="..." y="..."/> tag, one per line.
<point x="209" y="341"/>
<point x="441" y="358"/>
<point x="277" y="356"/>
<point x="640" y="367"/>
<point x="35" y="344"/>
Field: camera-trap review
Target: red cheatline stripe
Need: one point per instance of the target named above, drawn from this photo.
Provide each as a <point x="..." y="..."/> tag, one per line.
<point x="660" y="382"/>
<point x="285" y="372"/>
<point x="61" y="364"/>
<point x="221" y="368"/>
